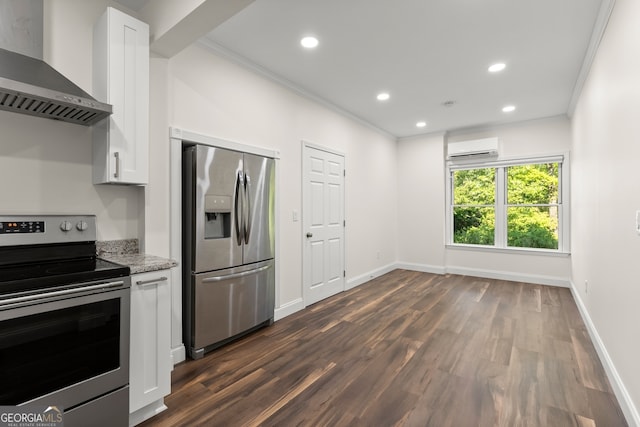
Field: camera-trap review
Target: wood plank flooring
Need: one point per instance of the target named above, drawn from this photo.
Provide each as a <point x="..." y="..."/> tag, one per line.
<point x="406" y="349"/>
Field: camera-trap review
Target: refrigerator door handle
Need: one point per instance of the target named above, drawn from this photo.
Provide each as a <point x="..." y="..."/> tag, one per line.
<point x="236" y="275"/>
<point x="247" y="208"/>
<point x="239" y="207"/>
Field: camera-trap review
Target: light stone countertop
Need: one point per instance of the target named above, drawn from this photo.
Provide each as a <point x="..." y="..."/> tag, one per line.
<point x="126" y="252"/>
<point x="140" y="263"/>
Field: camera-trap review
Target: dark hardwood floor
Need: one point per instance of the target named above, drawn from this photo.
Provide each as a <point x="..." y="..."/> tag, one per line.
<point x="407" y="349"/>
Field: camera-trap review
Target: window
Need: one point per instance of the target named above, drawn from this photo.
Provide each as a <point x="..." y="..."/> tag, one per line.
<point x="516" y="204"/>
<point x="474" y="206"/>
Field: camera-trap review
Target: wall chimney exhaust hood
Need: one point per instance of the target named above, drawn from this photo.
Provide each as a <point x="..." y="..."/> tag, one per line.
<point x="28" y="85"/>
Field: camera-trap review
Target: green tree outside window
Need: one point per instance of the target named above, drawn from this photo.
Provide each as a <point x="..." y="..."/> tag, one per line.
<point x="531" y="206"/>
<point x="474" y="196"/>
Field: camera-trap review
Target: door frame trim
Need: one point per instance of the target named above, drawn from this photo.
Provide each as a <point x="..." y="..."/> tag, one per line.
<point x="308" y="144"/>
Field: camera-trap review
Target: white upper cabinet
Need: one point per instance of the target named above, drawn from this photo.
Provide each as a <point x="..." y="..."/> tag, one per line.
<point x="121" y="78"/>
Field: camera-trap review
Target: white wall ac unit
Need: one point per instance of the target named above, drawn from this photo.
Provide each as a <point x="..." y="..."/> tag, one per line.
<point x="487" y="147"/>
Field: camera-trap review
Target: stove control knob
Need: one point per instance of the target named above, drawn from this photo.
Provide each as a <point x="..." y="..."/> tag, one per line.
<point x="81" y="226"/>
<point x="66" y="226"/>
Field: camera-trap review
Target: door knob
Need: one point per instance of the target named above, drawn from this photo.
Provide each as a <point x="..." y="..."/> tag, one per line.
<point x="309" y="235"/>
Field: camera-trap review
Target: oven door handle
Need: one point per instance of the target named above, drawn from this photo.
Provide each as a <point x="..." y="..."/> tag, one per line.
<point x="64" y="292"/>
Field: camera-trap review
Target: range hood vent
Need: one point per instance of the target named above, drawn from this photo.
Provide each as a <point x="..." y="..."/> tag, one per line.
<point x="28" y="85"/>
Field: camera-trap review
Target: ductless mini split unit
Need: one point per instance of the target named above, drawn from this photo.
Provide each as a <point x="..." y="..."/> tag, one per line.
<point x="477" y="148"/>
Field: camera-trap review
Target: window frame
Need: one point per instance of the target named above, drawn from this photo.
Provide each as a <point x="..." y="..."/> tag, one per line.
<point x="501" y="206"/>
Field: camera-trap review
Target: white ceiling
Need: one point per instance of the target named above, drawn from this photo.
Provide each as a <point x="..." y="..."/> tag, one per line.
<point x="133" y="4"/>
<point x="423" y="53"/>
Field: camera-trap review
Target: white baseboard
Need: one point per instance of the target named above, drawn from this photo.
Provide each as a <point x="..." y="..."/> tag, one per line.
<point x="298" y="304"/>
<point x="424" y="268"/>
<point x="288" y="309"/>
<point x="487" y="274"/>
<point x="506" y="275"/>
<point x="624" y="399"/>
<point x="364" y="278"/>
<point x="146" y="412"/>
<point x="178" y="354"/>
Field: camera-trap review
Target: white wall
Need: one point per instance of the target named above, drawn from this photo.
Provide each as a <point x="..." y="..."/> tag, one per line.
<point x="421" y="204"/>
<point x="45" y="166"/>
<point x="606" y="196"/>
<point x="531" y="138"/>
<point x="421" y="191"/>
<point x="156" y="239"/>
<point x="212" y="96"/>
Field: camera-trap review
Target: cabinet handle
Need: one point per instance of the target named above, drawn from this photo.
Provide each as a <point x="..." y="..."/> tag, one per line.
<point x="117" y="157"/>
<point x="148" y="282"/>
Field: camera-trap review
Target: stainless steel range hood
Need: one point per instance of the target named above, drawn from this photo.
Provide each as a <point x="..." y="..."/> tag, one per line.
<point x="28" y="85"/>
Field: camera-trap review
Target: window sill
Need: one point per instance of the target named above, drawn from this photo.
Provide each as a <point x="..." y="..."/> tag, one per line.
<point x="522" y="251"/>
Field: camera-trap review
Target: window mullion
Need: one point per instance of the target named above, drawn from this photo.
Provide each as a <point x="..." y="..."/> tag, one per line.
<point x="501" y="211"/>
<point x="449" y="207"/>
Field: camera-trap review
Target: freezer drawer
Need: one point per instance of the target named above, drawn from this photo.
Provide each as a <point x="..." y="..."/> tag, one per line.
<point x="229" y="302"/>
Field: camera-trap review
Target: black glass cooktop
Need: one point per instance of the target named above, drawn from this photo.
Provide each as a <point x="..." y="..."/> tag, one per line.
<point x="42" y="275"/>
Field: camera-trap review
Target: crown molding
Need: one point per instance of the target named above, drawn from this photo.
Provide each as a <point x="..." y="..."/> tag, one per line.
<point x="606" y="8"/>
<point x="219" y="50"/>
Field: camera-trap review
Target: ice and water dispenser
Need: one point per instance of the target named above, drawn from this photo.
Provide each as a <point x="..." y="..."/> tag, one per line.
<point x="217" y="211"/>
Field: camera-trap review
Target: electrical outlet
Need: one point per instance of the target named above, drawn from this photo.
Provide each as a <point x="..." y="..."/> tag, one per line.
<point x="586" y="286"/>
<point x="638" y="222"/>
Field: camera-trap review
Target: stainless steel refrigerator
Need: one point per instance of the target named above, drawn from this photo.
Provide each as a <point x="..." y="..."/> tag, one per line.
<point x="228" y="245"/>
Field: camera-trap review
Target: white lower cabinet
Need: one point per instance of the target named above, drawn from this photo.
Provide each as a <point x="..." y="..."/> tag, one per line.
<point x="150" y="351"/>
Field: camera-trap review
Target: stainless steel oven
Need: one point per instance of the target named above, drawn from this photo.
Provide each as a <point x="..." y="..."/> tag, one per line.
<point x="64" y="321"/>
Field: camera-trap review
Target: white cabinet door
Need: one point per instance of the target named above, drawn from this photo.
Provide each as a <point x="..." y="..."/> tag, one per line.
<point x="121" y="78"/>
<point x="150" y="351"/>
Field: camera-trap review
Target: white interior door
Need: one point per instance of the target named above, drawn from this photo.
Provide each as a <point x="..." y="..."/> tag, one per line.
<point x="323" y="223"/>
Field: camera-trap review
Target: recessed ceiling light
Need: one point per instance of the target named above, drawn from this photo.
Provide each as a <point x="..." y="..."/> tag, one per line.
<point x="421" y="124"/>
<point x="508" y="108"/>
<point x="497" y="67"/>
<point x="309" y="42"/>
<point x="383" y="96"/>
